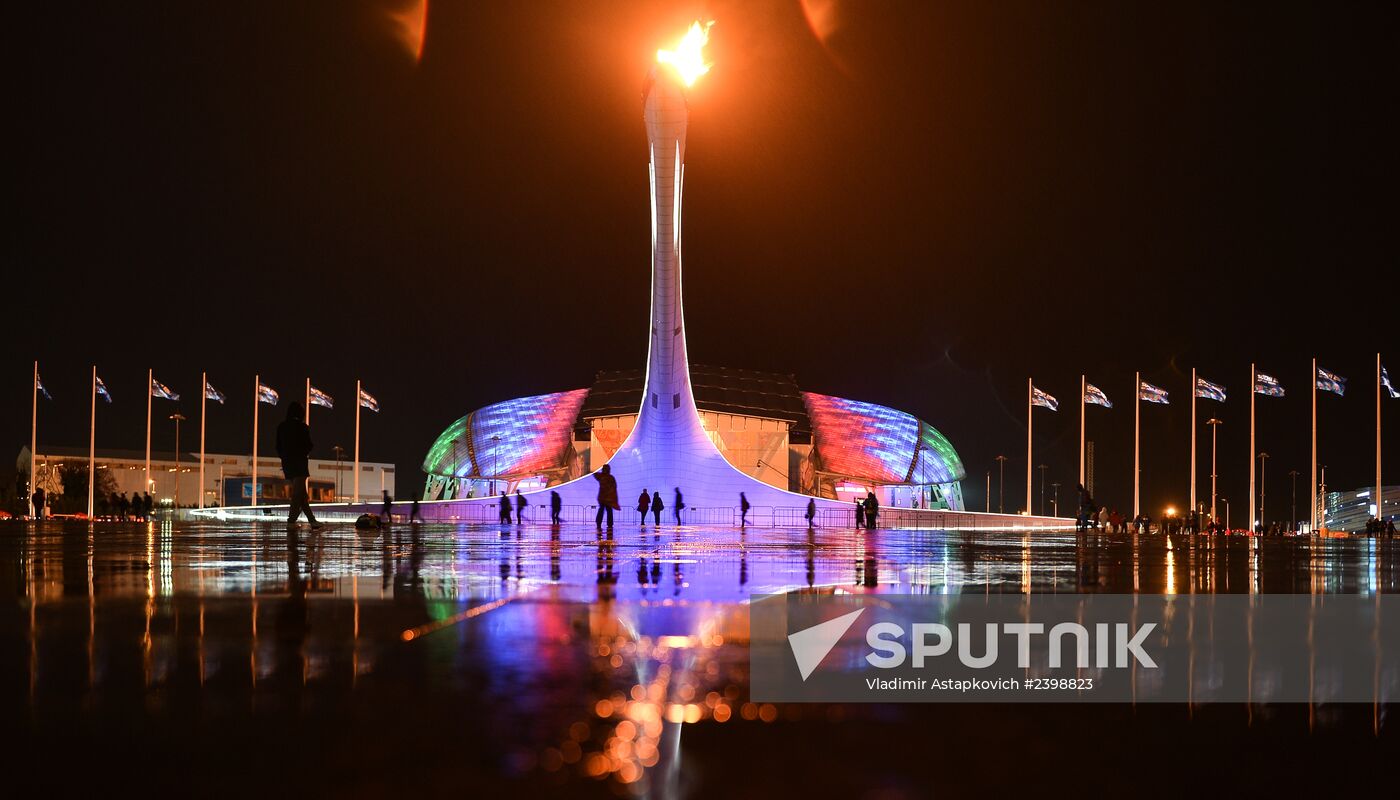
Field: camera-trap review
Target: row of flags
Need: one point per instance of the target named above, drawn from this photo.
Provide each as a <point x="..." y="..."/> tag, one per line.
<point x="1266" y="385"/>
<point x="266" y="394"/>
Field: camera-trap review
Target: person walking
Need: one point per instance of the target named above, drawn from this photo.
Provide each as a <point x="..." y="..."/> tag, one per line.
<point x="293" y="447"/>
<point x="607" y="495"/>
<point x="656" y="508"/>
<point x="643" y="504"/>
<point x="743" y="509"/>
<point x="812" y="512"/>
<point x="556" y="507"/>
<point x="679" y="506"/>
<point x="872" y="510"/>
<point x="505" y="508"/>
<point x="413" y="510"/>
<point x="520" y="504"/>
<point x="386" y="511"/>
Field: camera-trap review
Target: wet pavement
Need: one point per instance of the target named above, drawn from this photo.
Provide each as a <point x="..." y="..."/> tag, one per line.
<point x="232" y="658"/>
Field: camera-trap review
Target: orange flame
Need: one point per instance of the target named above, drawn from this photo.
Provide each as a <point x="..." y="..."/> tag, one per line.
<point x="687" y="59"/>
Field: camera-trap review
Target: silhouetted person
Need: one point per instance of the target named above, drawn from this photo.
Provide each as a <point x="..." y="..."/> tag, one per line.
<point x="413" y="510"/>
<point x="812" y="513"/>
<point x="872" y="510"/>
<point x="679" y="506"/>
<point x="39" y="503"/>
<point x="123" y="506"/>
<point x="148" y="507"/>
<point x="607" y="495"/>
<point x="520" y="504"/>
<point x="656" y="508"/>
<point x="743" y="509"/>
<point x="505" y="508"/>
<point x="293" y="447"/>
<point x="556" y="506"/>
<point x="860" y="514"/>
<point x="116" y="507"/>
<point x="643" y="503"/>
<point x="386" y="510"/>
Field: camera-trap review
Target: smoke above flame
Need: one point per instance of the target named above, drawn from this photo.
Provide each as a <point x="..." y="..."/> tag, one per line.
<point x="687" y="59"/>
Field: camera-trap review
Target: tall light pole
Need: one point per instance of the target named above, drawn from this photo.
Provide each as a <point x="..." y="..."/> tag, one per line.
<point x="1055" y="502"/>
<point x="339" y="456"/>
<point x="178" y="417"/>
<point x="1263" y="462"/>
<point x="1293" y="525"/>
<point x="989" y="491"/>
<point x="1001" y="485"/>
<point x="1042" y="468"/>
<point x="1227" y="514"/>
<point x="1214" y="428"/>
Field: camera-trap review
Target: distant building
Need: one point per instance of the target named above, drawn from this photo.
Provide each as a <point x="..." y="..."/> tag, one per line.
<point x="1349" y="511"/>
<point x="228" y="479"/>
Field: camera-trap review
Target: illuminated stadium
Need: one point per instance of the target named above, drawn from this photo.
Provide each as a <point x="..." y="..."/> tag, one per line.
<point x="765" y="426"/>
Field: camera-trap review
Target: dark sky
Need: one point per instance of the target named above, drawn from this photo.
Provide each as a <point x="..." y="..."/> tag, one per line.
<point x="918" y="208"/>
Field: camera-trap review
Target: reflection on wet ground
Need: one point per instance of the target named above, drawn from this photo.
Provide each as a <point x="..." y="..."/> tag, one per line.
<point x="233" y="657"/>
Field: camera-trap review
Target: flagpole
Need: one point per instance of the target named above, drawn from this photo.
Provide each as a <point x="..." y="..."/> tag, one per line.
<point x="92" y="440"/>
<point x="1083" y="387"/>
<point x="33" y="441"/>
<point x="1030" y="462"/>
<point x="1137" y="442"/>
<point x="150" y="376"/>
<point x="257" y="382"/>
<point x="1252" y="387"/>
<point x="357" y="440"/>
<point x="1313" y="492"/>
<point x="1193" y="440"/>
<point x="306" y="407"/>
<point x="203" y="398"/>
<point x="1380" y="506"/>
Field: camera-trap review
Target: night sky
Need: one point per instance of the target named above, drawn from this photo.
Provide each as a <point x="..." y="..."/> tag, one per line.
<point x="912" y="204"/>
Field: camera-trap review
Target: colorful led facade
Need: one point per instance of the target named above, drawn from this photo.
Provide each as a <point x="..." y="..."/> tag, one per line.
<point x="527" y="436"/>
<point x="878" y="445"/>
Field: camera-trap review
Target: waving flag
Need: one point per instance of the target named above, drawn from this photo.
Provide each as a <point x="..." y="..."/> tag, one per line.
<point x="319" y="398"/>
<point x="210" y="393"/>
<point x="1152" y="394"/>
<point x="1385" y="381"/>
<point x="1095" y="396"/>
<point x="1209" y="391"/>
<point x="1267" y="385"/>
<point x="1331" y="382"/>
<point x="367" y="401"/>
<point x="39" y="384"/>
<point x="162" y="391"/>
<point x="1039" y="398"/>
<point x="266" y="394"/>
<point x="102" y="390"/>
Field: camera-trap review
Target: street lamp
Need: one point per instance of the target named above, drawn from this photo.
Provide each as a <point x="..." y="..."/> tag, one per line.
<point x="1214" y="428"/>
<point x="1001" y="485"/>
<point x="1042" y="468"/>
<point x="339" y="455"/>
<point x="1293" y="526"/>
<point x="178" y="417"/>
<point x="1263" y="461"/>
<point x="1227" y="514"/>
<point x="989" y="491"/>
<point x="1055" y="501"/>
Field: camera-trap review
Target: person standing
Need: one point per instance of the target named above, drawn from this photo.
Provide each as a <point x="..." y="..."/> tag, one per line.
<point x="607" y="495"/>
<point x="872" y="510"/>
<point x="860" y="513"/>
<point x="294" y="447"/>
<point x="556" y="506"/>
<point x="743" y="509"/>
<point x="520" y="504"/>
<point x="679" y="506"/>
<point x="39" y="500"/>
<point x="656" y="508"/>
<point x="643" y="503"/>
<point x="148" y="507"/>
<point x="386" y="511"/>
<point x="505" y="508"/>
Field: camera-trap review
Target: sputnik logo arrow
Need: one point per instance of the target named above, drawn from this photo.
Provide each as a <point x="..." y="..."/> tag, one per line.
<point x="810" y="646"/>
